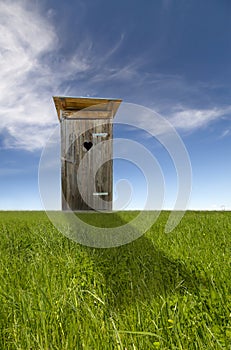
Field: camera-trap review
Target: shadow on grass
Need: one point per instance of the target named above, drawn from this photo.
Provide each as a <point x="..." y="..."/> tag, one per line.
<point x="138" y="271"/>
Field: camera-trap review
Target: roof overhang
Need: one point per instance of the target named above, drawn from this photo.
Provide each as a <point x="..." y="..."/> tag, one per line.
<point x="86" y="107"/>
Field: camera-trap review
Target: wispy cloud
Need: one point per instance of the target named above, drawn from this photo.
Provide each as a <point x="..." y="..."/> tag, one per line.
<point x="181" y="119"/>
<point x="28" y="55"/>
<point x="225" y="133"/>
<point x="24" y="38"/>
<point x="33" y="68"/>
<point x="191" y="119"/>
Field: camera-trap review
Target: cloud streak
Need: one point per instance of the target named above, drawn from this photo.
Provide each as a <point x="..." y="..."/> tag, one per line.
<point x="33" y="68"/>
<point x="183" y="119"/>
<point x="24" y="38"/>
<point x="30" y="73"/>
<point x="191" y="119"/>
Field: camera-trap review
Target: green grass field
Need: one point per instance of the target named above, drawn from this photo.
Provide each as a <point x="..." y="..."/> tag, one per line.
<point x="162" y="291"/>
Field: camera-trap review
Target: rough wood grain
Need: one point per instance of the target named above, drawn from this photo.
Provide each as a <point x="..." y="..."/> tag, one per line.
<point x="76" y="104"/>
<point x="73" y="135"/>
<point x="86" y="120"/>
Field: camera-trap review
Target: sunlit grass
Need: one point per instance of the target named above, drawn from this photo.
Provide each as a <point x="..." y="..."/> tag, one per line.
<point x="163" y="291"/>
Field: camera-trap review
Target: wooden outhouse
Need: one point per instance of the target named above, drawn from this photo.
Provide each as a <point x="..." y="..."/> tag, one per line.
<point x="86" y="151"/>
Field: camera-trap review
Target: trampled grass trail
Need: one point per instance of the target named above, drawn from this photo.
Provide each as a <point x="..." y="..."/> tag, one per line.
<point x="162" y="291"/>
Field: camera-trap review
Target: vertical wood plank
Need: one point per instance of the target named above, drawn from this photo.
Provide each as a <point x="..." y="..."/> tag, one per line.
<point x="73" y="137"/>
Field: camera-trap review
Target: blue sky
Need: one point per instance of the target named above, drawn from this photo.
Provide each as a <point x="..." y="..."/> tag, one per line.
<point x="173" y="56"/>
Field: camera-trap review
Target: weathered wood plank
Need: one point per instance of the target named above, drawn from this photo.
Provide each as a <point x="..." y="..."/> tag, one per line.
<point x="83" y="114"/>
<point x="77" y="159"/>
<point x="79" y="103"/>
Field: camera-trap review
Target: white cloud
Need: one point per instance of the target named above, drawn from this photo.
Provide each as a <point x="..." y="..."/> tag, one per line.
<point x="24" y="37"/>
<point x="191" y="119"/>
<point x="32" y="70"/>
<point x="122" y="74"/>
<point x="225" y="133"/>
<point x="28" y="45"/>
<point x="183" y="119"/>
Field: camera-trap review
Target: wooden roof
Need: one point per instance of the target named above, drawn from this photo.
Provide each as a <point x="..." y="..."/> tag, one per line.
<point x="86" y="107"/>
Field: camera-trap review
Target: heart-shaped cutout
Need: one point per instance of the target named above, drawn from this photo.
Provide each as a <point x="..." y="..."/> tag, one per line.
<point x="87" y="145"/>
